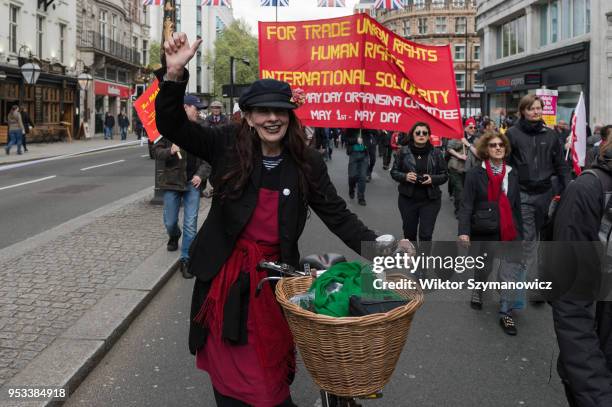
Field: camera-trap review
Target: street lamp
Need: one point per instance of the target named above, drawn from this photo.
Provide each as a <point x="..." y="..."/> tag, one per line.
<point x="30" y="72"/>
<point x="233" y="76"/>
<point x="84" y="79"/>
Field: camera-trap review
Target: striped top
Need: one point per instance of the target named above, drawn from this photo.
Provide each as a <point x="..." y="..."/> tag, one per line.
<point x="271" y="162"/>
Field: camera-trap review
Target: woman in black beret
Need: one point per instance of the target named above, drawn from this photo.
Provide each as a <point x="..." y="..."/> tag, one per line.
<point x="265" y="180"/>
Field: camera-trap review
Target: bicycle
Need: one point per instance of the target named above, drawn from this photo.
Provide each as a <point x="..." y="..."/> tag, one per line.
<point x="311" y="267"/>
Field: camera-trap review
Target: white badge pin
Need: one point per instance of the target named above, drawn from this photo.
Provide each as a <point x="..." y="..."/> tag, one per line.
<point x="286" y="191"/>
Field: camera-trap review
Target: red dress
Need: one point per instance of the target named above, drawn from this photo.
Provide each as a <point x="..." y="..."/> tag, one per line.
<point x="242" y="371"/>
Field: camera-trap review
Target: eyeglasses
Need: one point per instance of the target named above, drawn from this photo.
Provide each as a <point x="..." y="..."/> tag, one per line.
<point x="471" y="127"/>
<point x="421" y="133"/>
<point x="497" y="145"/>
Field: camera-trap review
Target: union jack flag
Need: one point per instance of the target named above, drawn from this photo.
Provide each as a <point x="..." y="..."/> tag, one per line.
<point x="389" y="4"/>
<point x="331" y="3"/>
<point x="274" y="3"/>
<point x="152" y="2"/>
<point x="221" y="3"/>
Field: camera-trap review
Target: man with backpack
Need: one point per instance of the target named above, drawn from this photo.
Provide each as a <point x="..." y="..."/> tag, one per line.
<point x="583" y="323"/>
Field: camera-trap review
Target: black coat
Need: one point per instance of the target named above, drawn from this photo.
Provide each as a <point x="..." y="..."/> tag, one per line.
<point x="583" y="326"/>
<point x="216" y="239"/>
<point x="405" y="163"/>
<point x="475" y="190"/>
<point x="536" y="157"/>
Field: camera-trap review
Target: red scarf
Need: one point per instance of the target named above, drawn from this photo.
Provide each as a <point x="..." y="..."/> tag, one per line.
<point x="507" y="230"/>
<point x="274" y="342"/>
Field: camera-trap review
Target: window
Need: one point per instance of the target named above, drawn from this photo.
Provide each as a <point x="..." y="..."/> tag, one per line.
<point x="135" y="43"/>
<point x="476" y="52"/>
<point x="178" y="15"/>
<point x="422" y="25"/>
<point x="103" y="28"/>
<point x="511" y="38"/>
<point x="437" y="3"/>
<point x="114" y="27"/>
<point x="62" y="38"/>
<point x="459" y="52"/>
<point x="40" y="23"/>
<point x="460" y="80"/>
<point x="460" y="25"/>
<point x="145" y="48"/>
<point x="459" y="3"/>
<point x="111" y="73"/>
<point x="198" y="20"/>
<point x="122" y="76"/>
<point x="564" y="19"/>
<point x="13" y="14"/>
<point x="407" y="28"/>
<point x="440" y="25"/>
<point x="219" y="26"/>
<point x="419" y="4"/>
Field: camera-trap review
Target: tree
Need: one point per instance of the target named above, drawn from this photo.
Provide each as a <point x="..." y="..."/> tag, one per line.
<point x="237" y="41"/>
<point x="154" y="55"/>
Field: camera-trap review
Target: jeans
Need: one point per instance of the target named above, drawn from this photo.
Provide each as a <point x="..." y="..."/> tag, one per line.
<point x="14" y="139"/>
<point x="124" y="133"/>
<point x="357" y="172"/>
<point x="108" y="133"/>
<point x="191" y="206"/>
<point x="372" y="162"/>
<point x="533" y="211"/>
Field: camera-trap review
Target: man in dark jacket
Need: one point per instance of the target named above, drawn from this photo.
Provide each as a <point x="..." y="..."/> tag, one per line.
<point x="124" y="123"/>
<point x="27" y="125"/>
<point x="370" y="139"/>
<point x="537" y="155"/>
<point x="182" y="178"/>
<point x="109" y="123"/>
<point x="584" y="325"/>
<point x="216" y="117"/>
<point x="359" y="160"/>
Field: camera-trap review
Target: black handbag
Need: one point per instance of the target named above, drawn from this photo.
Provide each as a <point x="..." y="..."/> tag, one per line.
<point x="359" y="306"/>
<point x="485" y="219"/>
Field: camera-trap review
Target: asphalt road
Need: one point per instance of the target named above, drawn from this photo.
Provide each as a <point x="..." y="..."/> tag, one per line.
<point x="454" y="356"/>
<point x="59" y="190"/>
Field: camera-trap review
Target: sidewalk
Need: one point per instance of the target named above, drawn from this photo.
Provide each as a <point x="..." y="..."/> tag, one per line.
<point x="38" y="151"/>
<point x="68" y="294"/>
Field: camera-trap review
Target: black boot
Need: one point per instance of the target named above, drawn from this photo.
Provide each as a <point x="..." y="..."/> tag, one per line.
<point x="184" y="267"/>
<point x="172" y="245"/>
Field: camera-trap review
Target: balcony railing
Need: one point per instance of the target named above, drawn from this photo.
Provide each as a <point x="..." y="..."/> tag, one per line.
<point x="93" y="39"/>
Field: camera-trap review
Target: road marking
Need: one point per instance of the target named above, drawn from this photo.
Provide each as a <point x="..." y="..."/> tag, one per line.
<point x="101" y="165"/>
<point x="28" y="182"/>
<point x="144" y="155"/>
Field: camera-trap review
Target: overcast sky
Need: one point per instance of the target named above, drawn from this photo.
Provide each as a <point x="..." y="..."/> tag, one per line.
<point x="251" y="12"/>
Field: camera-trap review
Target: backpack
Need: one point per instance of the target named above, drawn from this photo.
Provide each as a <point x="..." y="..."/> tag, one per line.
<point x="605" y="228"/>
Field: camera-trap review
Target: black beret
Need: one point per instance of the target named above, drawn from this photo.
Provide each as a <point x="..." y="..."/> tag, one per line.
<point x="267" y="93"/>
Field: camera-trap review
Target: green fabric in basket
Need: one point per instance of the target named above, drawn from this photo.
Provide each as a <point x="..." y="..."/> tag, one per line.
<point x="350" y="275"/>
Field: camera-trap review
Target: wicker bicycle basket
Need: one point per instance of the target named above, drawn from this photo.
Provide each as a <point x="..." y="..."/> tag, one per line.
<point x="352" y="356"/>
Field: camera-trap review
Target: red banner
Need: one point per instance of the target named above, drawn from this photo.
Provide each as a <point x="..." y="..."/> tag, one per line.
<point x="112" y="89"/>
<point x="145" y="107"/>
<point x="356" y="73"/>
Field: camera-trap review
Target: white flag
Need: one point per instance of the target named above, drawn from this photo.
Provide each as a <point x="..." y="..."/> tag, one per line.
<point x="579" y="135"/>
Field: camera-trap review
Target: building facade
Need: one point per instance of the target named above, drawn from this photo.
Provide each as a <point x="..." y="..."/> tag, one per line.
<point x="444" y="22"/>
<point x="564" y="45"/>
<point x="113" y="44"/>
<point x="204" y="22"/>
<point x="43" y="33"/>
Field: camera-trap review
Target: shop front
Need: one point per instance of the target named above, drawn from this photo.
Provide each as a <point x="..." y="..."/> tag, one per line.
<point x="113" y="98"/>
<point x="50" y="103"/>
<point x="565" y="70"/>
